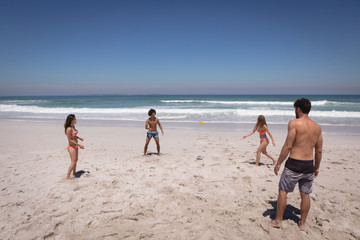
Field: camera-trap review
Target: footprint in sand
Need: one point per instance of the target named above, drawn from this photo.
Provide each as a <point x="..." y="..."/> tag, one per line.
<point x="337" y="163"/>
<point x="247" y="179"/>
<point x="241" y="169"/>
<point x="115" y="182"/>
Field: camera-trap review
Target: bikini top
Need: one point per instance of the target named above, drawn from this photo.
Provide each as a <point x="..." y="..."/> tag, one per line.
<point x="261" y="131"/>
<point x="74" y="134"/>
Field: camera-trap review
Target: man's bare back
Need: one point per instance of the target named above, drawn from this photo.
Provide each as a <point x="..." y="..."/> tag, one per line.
<point x="304" y="136"/>
<point x="307" y="134"/>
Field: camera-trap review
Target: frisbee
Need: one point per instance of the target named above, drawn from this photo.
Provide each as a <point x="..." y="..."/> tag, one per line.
<point x="201" y="122"/>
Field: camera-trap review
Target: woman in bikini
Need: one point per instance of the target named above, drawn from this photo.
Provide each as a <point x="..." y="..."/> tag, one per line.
<point x="73" y="146"/>
<point x="262" y="128"/>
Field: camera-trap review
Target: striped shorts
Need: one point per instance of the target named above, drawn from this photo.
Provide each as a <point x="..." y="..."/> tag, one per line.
<point x="289" y="179"/>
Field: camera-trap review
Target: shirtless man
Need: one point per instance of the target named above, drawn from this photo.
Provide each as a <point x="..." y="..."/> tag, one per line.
<point x="150" y="125"/>
<point x="304" y="135"/>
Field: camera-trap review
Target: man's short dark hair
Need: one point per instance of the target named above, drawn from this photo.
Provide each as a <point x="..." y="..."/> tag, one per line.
<point x="304" y="104"/>
<point x="151" y="111"/>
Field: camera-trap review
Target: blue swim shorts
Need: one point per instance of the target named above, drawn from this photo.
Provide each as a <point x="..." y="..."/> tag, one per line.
<point x="151" y="134"/>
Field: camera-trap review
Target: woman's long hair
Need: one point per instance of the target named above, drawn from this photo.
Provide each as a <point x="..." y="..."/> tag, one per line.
<point x="68" y="121"/>
<point x="260" y="122"/>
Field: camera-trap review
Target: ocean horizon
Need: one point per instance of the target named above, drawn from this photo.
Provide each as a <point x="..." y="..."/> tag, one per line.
<point x="327" y="110"/>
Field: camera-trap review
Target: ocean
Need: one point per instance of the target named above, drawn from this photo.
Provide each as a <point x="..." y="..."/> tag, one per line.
<point x="327" y="110"/>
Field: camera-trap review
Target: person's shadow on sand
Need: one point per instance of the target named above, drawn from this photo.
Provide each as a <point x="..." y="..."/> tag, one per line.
<point x="253" y="163"/>
<point x="151" y="153"/>
<point x="78" y="174"/>
<point x="290" y="212"/>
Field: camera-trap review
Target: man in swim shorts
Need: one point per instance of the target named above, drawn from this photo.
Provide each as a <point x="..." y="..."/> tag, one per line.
<point x="304" y="136"/>
<point x="150" y="125"/>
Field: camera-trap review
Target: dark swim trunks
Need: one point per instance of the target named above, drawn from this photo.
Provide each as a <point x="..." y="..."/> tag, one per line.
<point x="297" y="171"/>
<point x="300" y="166"/>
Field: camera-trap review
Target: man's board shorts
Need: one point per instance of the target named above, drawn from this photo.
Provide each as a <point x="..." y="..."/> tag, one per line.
<point x="297" y="171"/>
<point x="151" y="134"/>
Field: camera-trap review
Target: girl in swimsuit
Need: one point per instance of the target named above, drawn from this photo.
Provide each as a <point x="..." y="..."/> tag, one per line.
<point x="262" y="128"/>
<point x="72" y="148"/>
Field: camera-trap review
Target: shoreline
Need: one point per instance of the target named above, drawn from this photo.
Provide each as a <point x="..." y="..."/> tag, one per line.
<point x="339" y="130"/>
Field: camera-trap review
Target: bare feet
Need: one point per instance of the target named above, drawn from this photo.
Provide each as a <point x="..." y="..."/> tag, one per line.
<point x="275" y="224"/>
<point x="302" y="226"/>
<point x="256" y="165"/>
<point x="68" y="179"/>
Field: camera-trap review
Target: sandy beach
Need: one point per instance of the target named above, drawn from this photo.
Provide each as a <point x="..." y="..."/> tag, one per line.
<point x="204" y="186"/>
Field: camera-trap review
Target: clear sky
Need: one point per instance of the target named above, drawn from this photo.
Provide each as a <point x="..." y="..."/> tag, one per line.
<point x="179" y="47"/>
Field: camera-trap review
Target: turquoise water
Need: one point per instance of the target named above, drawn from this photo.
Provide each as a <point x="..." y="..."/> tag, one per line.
<point x="336" y="110"/>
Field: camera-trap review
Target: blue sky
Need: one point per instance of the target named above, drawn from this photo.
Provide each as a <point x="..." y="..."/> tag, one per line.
<point x="179" y="47"/>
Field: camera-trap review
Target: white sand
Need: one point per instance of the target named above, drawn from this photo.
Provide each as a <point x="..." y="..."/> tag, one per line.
<point x="204" y="186"/>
